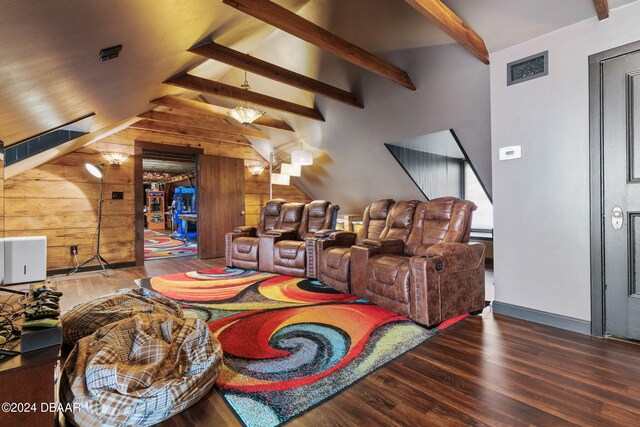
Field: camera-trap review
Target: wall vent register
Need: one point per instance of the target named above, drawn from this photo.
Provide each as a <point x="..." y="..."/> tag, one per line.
<point x="528" y="68"/>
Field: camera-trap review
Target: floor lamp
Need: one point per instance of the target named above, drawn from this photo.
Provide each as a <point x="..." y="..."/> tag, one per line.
<point x="98" y="172"/>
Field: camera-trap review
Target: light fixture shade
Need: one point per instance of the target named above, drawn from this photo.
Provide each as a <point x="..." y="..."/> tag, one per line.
<point x="245" y="114"/>
<point x="291" y="170"/>
<point x="255" y="170"/>
<point x="302" y="157"/>
<point x="94" y="170"/>
<point x="115" y="159"/>
<point x="280" y="179"/>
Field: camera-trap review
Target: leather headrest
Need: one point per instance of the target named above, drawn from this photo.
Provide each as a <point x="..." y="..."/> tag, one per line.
<point x="402" y="213"/>
<point x="380" y="208"/>
<point x="272" y="207"/>
<point x="318" y="208"/>
<point x="292" y="212"/>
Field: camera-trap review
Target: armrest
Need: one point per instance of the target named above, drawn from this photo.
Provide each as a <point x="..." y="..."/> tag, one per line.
<point x="385" y="243"/>
<point x="282" y="234"/>
<point x="448" y="281"/>
<point x="325" y="232"/>
<point x="246" y="229"/>
<point x="447" y="249"/>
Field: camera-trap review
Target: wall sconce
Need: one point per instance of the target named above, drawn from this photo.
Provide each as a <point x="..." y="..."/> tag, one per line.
<point x="255" y="170"/>
<point x="115" y="159"/>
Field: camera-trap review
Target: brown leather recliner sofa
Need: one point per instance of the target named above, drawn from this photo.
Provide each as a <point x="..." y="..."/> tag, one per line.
<point x="241" y="245"/>
<point x="283" y="249"/>
<point x="428" y="274"/>
<point x="328" y="256"/>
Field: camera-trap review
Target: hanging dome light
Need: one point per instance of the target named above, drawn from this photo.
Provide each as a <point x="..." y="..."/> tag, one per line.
<point x="301" y="157"/>
<point x="245" y="113"/>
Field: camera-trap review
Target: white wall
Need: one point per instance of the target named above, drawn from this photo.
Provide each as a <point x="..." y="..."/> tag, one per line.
<point x="354" y="167"/>
<point x="541" y="202"/>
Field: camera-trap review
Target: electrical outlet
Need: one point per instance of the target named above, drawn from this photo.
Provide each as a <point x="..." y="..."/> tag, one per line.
<point x="74" y="250"/>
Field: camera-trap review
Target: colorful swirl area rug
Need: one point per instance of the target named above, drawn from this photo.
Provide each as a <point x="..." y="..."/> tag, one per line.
<point x="289" y="343"/>
<point x="162" y="246"/>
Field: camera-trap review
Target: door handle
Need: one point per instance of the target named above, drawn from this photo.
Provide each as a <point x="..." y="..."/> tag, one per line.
<point x="617" y="218"/>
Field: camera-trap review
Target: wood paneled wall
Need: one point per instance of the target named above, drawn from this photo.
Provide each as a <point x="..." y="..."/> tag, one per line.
<point x="60" y="199"/>
<point x="256" y="194"/>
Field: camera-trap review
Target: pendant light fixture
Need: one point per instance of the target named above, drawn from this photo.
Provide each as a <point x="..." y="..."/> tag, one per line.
<point x="245" y="113"/>
<point x="301" y="157"/>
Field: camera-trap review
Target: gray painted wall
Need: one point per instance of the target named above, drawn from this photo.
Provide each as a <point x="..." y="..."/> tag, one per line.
<point x="353" y="167"/>
<point x="541" y="201"/>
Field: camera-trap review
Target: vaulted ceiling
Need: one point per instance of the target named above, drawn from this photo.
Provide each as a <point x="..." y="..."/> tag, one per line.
<point x="51" y="73"/>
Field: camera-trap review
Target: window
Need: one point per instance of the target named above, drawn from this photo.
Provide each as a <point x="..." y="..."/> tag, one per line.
<point x="44" y="141"/>
<point x="439" y="167"/>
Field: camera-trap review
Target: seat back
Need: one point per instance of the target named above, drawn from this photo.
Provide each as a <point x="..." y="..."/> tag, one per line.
<point x="317" y="215"/>
<point x="400" y="220"/>
<point x="442" y="220"/>
<point x="290" y="216"/>
<point x="269" y="215"/>
<point x="374" y="219"/>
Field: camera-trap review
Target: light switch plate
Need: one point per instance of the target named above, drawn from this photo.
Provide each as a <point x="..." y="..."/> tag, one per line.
<point x="510" y="153"/>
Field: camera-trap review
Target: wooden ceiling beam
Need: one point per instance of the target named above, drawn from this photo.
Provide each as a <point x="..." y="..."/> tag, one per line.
<point x="174" y="129"/>
<point x="602" y="8"/>
<point x="173" y="101"/>
<point x="197" y="122"/>
<point x="276" y="15"/>
<point x="199" y="84"/>
<point x="246" y="62"/>
<point x="453" y="25"/>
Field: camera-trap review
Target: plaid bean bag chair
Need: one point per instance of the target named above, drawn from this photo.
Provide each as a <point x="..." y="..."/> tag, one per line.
<point x="139" y="371"/>
<point x="84" y="319"/>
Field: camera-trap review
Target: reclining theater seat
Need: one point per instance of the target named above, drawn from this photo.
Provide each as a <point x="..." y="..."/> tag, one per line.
<point x="436" y="275"/>
<point x="333" y="253"/>
<point x="285" y="228"/>
<point x="289" y="252"/>
<point x="241" y="246"/>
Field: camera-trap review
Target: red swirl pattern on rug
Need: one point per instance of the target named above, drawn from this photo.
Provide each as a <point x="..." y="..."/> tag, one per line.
<point x="289" y="343"/>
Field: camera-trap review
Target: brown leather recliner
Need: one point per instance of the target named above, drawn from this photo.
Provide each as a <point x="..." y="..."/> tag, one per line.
<point x="432" y="277"/>
<point x="241" y="246"/>
<point x="328" y="256"/>
<point x="289" y="249"/>
<point x="286" y="228"/>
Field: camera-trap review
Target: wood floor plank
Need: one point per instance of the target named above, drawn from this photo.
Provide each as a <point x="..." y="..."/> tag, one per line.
<point x="488" y="370"/>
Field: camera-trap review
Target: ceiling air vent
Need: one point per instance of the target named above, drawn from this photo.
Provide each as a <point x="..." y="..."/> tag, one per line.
<point x="528" y="68"/>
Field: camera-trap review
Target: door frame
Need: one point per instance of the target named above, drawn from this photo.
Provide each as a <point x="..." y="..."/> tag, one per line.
<point x="138" y="185"/>
<point x="596" y="184"/>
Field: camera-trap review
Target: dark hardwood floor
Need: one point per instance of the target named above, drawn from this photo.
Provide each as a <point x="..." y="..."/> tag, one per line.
<point x="485" y="370"/>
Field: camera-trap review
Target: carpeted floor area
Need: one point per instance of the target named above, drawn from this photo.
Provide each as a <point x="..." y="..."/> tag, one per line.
<point x="290" y="343"/>
<point x="158" y="245"/>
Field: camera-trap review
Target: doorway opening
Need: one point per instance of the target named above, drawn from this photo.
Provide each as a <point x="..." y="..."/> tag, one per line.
<point x="170" y="206"/>
<point x="160" y="170"/>
<point x="170" y="209"/>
